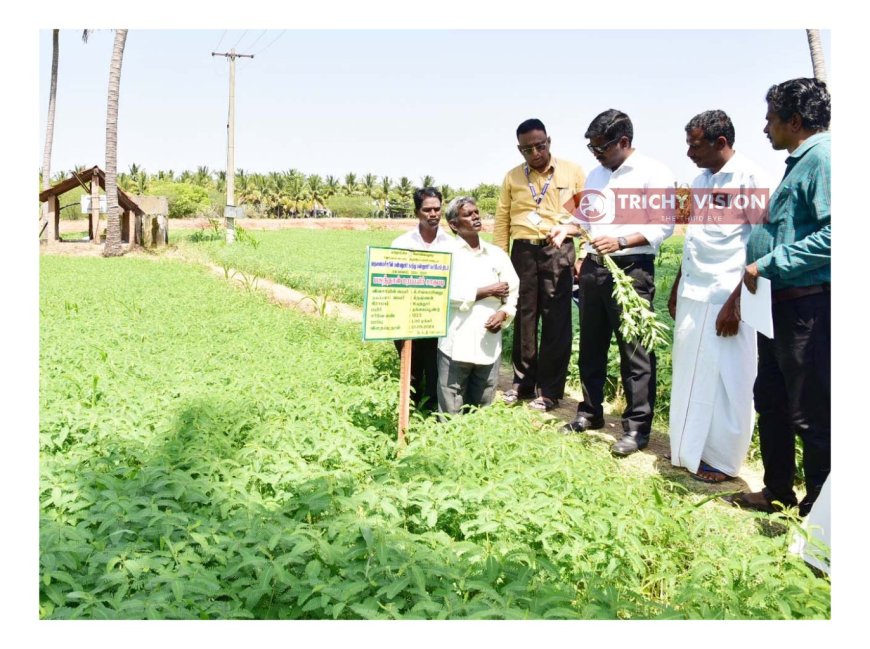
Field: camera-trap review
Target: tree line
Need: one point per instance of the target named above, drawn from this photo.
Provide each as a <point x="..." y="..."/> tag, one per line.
<point x="287" y="194"/>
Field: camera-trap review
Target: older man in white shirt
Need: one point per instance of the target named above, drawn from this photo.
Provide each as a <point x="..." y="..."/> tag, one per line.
<point x="483" y="300"/>
<point x="632" y="238"/>
<point x="426" y="235"/>
<point x="714" y="357"/>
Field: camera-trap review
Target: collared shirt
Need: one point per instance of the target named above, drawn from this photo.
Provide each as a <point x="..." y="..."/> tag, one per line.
<point x="794" y="247"/>
<point x="411" y="240"/>
<point x="714" y="255"/>
<point x="637" y="172"/>
<point x="515" y="202"/>
<point x="467" y="340"/>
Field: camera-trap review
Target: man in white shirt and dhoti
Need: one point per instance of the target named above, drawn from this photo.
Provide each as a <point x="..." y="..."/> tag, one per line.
<point x="483" y="301"/>
<point x="714" y="355"/>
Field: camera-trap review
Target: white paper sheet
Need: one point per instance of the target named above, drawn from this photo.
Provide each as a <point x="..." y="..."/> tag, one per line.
<point x="755" y="310"/>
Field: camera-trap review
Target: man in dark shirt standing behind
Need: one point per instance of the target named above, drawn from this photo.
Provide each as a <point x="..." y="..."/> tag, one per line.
<point x="532" y="201"/>
<point x="793" y="250"/>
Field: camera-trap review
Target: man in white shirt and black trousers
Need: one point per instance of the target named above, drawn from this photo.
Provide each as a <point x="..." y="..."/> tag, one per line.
<point x="426" y="235"/>
<point x="632" y="242"/>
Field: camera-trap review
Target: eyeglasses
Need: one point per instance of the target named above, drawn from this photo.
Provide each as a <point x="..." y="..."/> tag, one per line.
<point x="601" y="149"/>
<point x="533" y="148"/>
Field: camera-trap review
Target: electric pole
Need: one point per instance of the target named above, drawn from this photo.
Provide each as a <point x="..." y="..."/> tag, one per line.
<point x="230" y="210"/>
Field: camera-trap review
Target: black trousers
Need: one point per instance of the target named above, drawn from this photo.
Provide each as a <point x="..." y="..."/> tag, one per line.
<point x="546" y="276"/>
<point x="599" y="320"/>
<point x="424" y="371"/>
<point x="793" y="397"/>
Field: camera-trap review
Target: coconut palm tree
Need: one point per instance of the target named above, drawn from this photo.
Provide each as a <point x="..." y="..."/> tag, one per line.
<point x="141" y="182"/>
<point x="370" y="183"/>
<point x="386" y="186"/>
<point x="241" y="179"/>
<point x="332" y="186"/>
<point x="817" y="54"/>
<point x="296" y="191"/>
<point x="350" y="185"/>
<point x="315" y="188"/>
<point x="49" y="130"/>
<point x="113" y="221"/>
<point x="405" y="189"/>
<point x="202" y="177"/>
<point x="446" y="192"/>
<point x="427" y="181"/>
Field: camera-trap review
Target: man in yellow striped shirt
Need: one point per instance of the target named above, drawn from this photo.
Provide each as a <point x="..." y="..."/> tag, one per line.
<point x="533" y="198"/>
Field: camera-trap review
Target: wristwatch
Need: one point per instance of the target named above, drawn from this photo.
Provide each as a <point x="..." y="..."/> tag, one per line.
<point x="622" y="242"/>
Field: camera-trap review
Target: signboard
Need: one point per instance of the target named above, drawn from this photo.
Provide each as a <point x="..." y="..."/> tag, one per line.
<point x="234" y="212"/>
<point x="407" y="294"/>
<point x="86" y="204"/>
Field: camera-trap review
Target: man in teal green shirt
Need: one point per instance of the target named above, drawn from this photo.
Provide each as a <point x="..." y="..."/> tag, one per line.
<point x="793" y="250"/>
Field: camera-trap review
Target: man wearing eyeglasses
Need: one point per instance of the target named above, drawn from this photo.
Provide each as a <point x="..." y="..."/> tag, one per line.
<point x="632" y="243"/>
<point x="532" y="200"/>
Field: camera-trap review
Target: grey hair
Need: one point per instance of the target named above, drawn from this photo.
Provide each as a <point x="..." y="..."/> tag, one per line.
<point x="456" y="204"/>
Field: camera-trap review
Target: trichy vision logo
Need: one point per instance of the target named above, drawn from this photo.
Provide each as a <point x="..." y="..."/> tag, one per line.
<point x="670" y="205"/>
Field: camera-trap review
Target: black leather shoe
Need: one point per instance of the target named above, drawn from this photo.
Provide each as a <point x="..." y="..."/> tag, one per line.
<point x="581" y="423"/>
<point x="631" y="442"/>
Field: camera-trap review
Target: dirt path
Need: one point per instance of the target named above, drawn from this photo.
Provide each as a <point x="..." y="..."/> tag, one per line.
<point x="653" y="459"/>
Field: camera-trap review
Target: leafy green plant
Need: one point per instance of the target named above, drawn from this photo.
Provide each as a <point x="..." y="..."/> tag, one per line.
<point x="239" y="462"/>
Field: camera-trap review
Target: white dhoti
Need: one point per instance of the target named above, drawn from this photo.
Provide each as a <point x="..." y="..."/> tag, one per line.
<point x="711" y="416"/>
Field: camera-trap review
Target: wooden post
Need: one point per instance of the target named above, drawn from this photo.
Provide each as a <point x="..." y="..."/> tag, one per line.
<point x="131" y="228"/>
<point x="404" y="389"/>
<point x="95" y="209"/>
<point x="54" y="218"/>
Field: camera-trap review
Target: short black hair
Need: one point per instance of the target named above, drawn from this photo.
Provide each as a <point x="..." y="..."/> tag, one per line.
<point x="713" y="124"/>
<point x="425" y="192"/>
<point x="808" y="98"/>
<point x="530" y="125"/>
<point x="610" y="124"/>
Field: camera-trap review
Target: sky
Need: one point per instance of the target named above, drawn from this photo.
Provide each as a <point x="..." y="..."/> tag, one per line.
<point x="394" y="100"/>
<point x="408" y="102"/>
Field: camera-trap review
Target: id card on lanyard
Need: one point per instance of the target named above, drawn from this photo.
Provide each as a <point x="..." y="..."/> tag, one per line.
<point x="534" y="218"/>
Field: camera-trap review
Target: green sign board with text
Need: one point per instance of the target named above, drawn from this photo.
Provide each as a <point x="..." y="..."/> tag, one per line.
<point x="407" y="294"/>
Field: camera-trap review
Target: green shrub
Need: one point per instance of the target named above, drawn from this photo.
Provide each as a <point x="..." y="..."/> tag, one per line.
<point x="184" y="199"/>
<point x="358" y="207"/>
<point x="487" y="205"/>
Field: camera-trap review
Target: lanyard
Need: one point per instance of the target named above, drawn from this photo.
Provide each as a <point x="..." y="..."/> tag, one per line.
<point x="535" y="196"/>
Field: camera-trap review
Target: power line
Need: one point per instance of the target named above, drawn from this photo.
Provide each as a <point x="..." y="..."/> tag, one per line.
<point x="243" y="64"/>
<point x="240" y="39"/>
<point x="221" y="40"/>
<point x="283" y="31"/>
<point x="251" y="46"/>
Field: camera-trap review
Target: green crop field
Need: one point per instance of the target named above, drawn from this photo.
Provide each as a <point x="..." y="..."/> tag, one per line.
<point x="332" y="263"/>
<point x="208" y="455"/>
<point x="315" y="262"/>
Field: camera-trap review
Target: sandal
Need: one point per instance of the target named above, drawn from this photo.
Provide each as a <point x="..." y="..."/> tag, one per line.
<point x="757" y="501"/>
<point x="710" y="475"/>
<point x="510" y="397"/>
<point x="543" y="404"/>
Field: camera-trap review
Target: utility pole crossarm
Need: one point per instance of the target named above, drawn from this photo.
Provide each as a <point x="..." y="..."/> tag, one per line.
<point x="233" y="55"/>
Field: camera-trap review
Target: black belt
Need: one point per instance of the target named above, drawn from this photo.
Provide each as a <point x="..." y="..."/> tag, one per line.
<point x="621" y="260"/>
<point x="535" y="242"/>
<point x="794" y="292"/>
